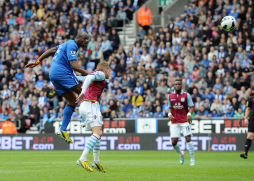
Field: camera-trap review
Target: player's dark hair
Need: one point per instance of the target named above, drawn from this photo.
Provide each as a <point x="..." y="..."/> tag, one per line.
<point x="81" y="34"/>
<point x="177" y="80"/>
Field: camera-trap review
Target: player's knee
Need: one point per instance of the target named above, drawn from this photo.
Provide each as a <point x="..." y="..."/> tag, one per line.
<point x="250" y="136"/>
<point x="188" y="139"/>
<point x="174" y="142"/>
<point x="99" y="132"/>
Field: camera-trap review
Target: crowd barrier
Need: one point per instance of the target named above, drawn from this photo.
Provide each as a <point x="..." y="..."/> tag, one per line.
<point x="152" y="125"/>
<point x="135" y="134"/>
<point x="128" y="141"/>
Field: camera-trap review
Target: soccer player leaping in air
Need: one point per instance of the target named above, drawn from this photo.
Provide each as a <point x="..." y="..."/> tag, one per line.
<point x="89" y="109"/>
<point x="180" y="109"/>
<point x="63" y="77"/>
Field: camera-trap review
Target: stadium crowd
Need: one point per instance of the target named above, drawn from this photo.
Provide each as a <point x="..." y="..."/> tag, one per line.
<point x="216" y="67"/>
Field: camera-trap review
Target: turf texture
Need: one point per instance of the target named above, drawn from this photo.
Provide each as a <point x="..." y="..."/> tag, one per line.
<point x="125" y="165"/>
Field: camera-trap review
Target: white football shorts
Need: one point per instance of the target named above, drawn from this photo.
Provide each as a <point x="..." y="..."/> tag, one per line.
<point x="176" y="129"/>
<point x="90" y="111"/>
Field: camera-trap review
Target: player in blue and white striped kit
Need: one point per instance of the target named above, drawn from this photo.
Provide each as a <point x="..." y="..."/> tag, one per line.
<point x="63" y="77"/>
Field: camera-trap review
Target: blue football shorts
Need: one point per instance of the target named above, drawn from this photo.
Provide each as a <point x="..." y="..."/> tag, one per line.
<point x="63" y="83"/>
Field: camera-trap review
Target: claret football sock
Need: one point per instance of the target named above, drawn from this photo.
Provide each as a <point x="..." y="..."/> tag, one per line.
<point x="68" y="110"/>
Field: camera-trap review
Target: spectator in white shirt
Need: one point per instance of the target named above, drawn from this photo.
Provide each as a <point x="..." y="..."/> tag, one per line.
<point x="87" y="15"/>
<point x="6" y="91"/>
<point x="220" y="71"/>
<point x="150" y="64"/>
<point x="212" y="53"/>
<point x="145" y="56"/>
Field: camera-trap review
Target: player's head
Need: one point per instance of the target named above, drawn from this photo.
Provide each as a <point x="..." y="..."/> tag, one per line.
<point x="178" y="85"/>
<point x="103" y="66"/>
<point x="82" y="39"/>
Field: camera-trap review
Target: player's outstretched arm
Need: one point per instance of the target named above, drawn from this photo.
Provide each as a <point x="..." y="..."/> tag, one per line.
<point x="46" y="54"/>
<point x="97" y="76"/>
<point x="75" y="66"/>
<point x="86" y="84"/>
<point x="81" y="78"/>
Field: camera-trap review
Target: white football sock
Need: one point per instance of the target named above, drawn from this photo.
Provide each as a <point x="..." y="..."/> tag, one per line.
<point x="89" y="146"/>
<point x="96" y="151"/>
<point x="191" y="150"/>
<point x="177" y="149"/>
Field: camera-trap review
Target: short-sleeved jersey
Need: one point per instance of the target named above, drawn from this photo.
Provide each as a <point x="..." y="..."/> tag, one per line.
<point x="96" y="87"/>
<point x="179" y="104"/>
<point x="250" y="104"/>
<point x="65" y="53"/>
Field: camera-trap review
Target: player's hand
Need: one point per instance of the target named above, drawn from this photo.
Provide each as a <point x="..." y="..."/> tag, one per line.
<point x="79" y="98"/>
<point x="189" y="119"/>
<point x="171" y="117"/>
<point x="246" y="121"/>
<point x="30" y="65"/>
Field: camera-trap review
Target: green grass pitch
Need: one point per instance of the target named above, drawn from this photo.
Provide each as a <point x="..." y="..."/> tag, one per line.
<point x="125" y="165"/>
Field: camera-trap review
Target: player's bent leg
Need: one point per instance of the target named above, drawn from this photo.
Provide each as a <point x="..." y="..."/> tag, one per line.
<point x="191" y="149"/>
<point x="175" y="133"/>
<point x="68" y="111"/>
<point x="91" y="142"/>
<point x="96" y="150"/>
<point x="76" y="89"/>
<point x="178" y="150"/>
<point x="248" y="142"/>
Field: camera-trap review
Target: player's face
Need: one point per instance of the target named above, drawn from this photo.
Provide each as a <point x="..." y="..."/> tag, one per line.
<point x="83" y="41"/>
<point x="107" y="73"/>
<point x="178" y="86"/>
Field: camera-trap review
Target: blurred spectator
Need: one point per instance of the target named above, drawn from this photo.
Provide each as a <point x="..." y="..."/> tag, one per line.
<point x="34" y="111"/>
<point x="97" y="55"/>
<point x="158" y="113"/>
<point x="136" y="99"/>
<point x="239" y="113"/>
<point x="230" y="113"/>
<point x="106" y="47"/>
<point x="145" y="17"/>
<point x="127" y="106"/>
<point x="76" y="114"/>
<point x="202" y="113"/>
<point x="20" y="121"/>
<point x="9" y="127"/>
<point x="130" y="114"/>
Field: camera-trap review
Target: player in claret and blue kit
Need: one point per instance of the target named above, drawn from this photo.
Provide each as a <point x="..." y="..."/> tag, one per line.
<point x="63" y="77"/>
<point x="180" y="109"/>
<point x="89" y="109"/>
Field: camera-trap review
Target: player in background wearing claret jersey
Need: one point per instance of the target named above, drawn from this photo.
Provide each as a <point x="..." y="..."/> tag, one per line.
<point x="63" y="77"/>
<point x="89" y="109"/>
<point x="250" y="122"/>
<point x="180" y="108"/>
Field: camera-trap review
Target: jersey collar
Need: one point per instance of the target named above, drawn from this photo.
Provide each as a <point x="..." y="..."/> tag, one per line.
<point x="180" y="93"/>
